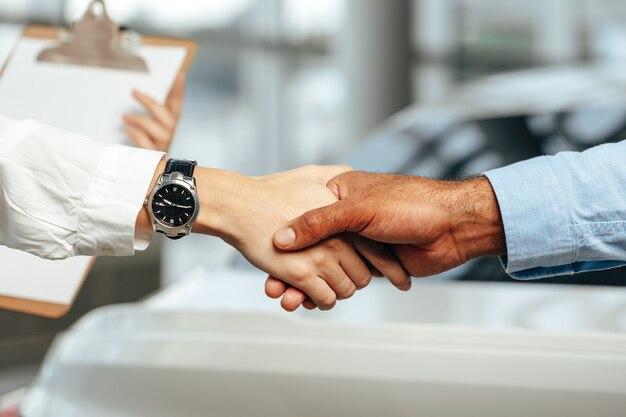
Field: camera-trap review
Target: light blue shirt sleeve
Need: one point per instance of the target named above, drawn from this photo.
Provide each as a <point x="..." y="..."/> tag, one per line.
<point x="564" y="214"/>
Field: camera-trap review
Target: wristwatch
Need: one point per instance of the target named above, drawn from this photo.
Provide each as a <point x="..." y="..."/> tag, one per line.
<point x="173" y="204"/>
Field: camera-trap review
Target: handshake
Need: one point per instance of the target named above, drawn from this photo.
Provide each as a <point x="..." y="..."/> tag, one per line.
<point x="333" y="228"/>
<point x="321" y="233"/>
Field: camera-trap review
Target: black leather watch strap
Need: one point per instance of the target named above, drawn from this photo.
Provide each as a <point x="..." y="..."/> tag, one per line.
<point x="183" y="166"/>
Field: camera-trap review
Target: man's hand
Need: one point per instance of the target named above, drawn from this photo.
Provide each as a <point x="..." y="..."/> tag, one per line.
<point x="433" y="225"/>
<point x="156" y="129"/>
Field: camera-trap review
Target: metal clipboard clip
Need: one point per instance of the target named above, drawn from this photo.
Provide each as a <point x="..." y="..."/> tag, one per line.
<point x="94" y="41"/>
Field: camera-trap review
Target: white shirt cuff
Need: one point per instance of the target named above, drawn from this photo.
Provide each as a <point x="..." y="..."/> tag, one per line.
<point x="114" y="200"/>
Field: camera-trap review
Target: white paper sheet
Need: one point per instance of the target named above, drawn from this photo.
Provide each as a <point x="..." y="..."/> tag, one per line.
<point x="27" y="276"/>
<point x="81" y="99"/>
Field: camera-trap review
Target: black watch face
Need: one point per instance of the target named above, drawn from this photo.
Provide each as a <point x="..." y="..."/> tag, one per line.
<point x="173" y="205"/>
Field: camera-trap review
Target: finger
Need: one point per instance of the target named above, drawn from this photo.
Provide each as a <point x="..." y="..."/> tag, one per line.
<point x="174" y="100"/>
<point x="158" y="111"/>
<point x="274" y="288"/>
<point x="139" y="137"/>
<point x="355" y="268"/>
<point x="157" y="132"/>
<point x="319" y="224"/>
<point x="384" y="260"/>
<point x="308" y="304"/>
<point x="339" y="281"/>
<point x="292" y="299"/>
<point x="319" y="292"/>
<point x="423" y="263"/>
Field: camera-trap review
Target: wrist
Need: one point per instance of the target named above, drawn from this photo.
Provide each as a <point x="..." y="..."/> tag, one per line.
<point x="222" y="196"/>
<point x="223" y="199"/>
<point x="477" y="224"/>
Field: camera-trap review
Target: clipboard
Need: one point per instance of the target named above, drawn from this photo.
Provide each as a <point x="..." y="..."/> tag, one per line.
<point x="92" y="22"/>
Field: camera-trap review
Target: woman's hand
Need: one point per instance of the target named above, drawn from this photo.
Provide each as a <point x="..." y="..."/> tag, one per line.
<point x="381" y="261"/>
<point x="156" y="129"/>
<point x="328" y="271"/>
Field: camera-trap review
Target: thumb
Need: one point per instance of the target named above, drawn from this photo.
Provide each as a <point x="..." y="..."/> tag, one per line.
<point x="313" y="226"/>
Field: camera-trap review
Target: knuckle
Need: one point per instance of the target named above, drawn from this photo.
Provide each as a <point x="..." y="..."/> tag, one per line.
<point x="299" y="276"/>
<point x="399" y="279"/>
<point x="141" y="121"/>
<point x="300" y="279"/>
<point x="319" y="258"/>
<point x="150" y="101"/>
<point x="311" y="223"/>
<point x="363" y="282"/>
<point x="347" y="292"/>
<point x="335" y="244"/>
<point x="327" y="301"/>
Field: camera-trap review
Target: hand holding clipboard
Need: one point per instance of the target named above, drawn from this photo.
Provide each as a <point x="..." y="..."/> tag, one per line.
<point x="81" y="84"/>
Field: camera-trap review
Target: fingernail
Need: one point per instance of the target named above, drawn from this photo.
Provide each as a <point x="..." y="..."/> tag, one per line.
<point x="286" y="236"/>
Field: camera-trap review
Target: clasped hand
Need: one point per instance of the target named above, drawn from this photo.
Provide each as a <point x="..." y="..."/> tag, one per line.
<point x="331" y="269"/>
<point x="352" y="225"/>
<point x="429" y="226"/>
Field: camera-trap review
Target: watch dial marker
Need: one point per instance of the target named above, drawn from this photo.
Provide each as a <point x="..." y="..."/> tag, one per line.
<point x="173" y="205"/>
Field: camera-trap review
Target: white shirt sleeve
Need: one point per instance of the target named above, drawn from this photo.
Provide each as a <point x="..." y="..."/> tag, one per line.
<point x="65" y="195"/>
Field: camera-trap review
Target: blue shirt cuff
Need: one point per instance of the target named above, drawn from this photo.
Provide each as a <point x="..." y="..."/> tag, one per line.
<point x="535" y="217"/>
<point x="569" y="269"/>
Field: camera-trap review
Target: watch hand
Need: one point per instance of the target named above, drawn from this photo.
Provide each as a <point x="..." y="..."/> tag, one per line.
<point x="169" y="203"/>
